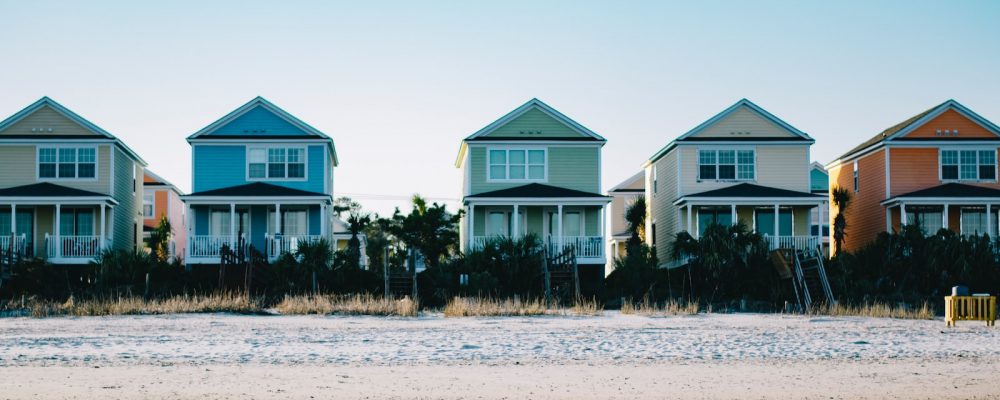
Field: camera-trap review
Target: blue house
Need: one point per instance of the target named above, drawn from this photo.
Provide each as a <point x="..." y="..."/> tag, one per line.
<point x="261" y="175"/>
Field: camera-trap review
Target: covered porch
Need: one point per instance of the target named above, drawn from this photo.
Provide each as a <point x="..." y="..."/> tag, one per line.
<point x="783" y="217"/>
<point x="964" y="209"/>
<point x="64" y="225"/>
<point x="271" y="224"/>
<point x="562" y="223"/>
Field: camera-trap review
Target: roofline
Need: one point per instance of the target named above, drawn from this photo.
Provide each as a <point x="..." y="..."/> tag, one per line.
<point x="740" y="201"/>
<point x="724" y="113"/>
<point x="538" y="200"/>
<point x="164" y="182"/>
<point x="50" y="199"/>
<point x="256" y="199"/>
<point x="59" y="108"/>
<point x="626" y="182"/>
<point x="933" y="200"/>
<point x="545" y="108"/>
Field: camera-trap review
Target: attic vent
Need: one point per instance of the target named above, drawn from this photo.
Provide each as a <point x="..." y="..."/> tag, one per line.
<point x="739" y="133"/>
<point x="946" y="132"/>
<point x="254" y="131"/>
<point x="531" y="132"/>
<point x="41" y="129"/>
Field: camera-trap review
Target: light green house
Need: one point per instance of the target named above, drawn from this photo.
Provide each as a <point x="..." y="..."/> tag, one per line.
<point x="536" y="171"/>
<point x="68" y="189"/>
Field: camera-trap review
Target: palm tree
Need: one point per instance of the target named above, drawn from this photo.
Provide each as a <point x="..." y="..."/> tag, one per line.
<point x="841" y="198"/>
<point x="635" y="218"/>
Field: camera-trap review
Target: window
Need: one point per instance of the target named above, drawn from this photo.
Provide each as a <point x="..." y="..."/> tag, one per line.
<point x="516" y="164"/>
<point x="67" y="162"/>
<point x="974" y="221"/>
<point x="726" y="165"/>
<point x="276" y="163"/>
<point x="713" y="215"/>
<point x="147" y="205"/>
<point x="572" y="224"/>
<point x="928" y="219"/>
<point x="765" y="221"/>
<point x="219" y="219"/>
<point x="76" y="221"/>
<point x="855" y="177"/>
<point x="968" y="165"/>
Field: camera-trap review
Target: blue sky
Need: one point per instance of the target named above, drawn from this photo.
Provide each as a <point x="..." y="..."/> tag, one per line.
<point x="399" y="84"/>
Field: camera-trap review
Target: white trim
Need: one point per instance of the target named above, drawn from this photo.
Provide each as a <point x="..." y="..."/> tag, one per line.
<point x="888" y="182"/>
<point x="254" y="200"/>
<point x="526" y="149"/>
<point x="111" y="171"/>
<point x="527" y="201"/>
<point x="736" y="163"/>
<point x="544" y="108"/>
<point x="959" y="149"/>
<point x="76" y="163"/>
<point x="250" y="105"/>
<point x="96" y="200"/>
<point x="267" y="163"/>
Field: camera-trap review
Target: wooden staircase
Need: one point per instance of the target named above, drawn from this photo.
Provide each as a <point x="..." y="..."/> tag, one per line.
<point x="8" y="259"/>
<point x="808" y="274"/>
<point x="401" y="284"/>
<point x="562" y="277"/>
<point x="243" y="267"/>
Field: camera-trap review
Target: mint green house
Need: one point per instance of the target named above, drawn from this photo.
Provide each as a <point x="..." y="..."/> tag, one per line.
<point x="68" y="188"/>
<point x="535" y="171"/>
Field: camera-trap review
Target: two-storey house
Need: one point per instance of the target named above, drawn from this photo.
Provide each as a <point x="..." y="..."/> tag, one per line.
<point x="261" y="177"/>
<point x="161" y="199"/>
<point x="742" y="165"/>
<point x="535" y="171"/>
<point x="623" y="196"/>
<point x="935" y="170"/>
<point x="68" y="189"/>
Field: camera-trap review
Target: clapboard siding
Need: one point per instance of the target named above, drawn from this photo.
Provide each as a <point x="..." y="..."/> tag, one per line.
<point x="951" y="120"/>
<point x="778" y="166"/>
<point x="661" y="209"/>
<point x="913" y="169"/>
<point x="20" y="168"/>
<point x="220" y="166"/>
<point x="46" y="118"/>
<point x="866" y="217"/>
<point x="568" y="167"/>
<point x="534" y="123"/>
<point x="259" y="121"/>
<point x="127" y="216"/>
<point x="748" y="123"/>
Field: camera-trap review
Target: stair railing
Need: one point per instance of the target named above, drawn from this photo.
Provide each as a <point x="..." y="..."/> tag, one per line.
<point x="827" y="291"/>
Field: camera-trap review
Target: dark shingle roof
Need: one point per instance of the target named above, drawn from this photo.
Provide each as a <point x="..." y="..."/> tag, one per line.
<point x="952" y="190"/>
<point x="888" y="132"/>
<point x="535" y="190"/>
<point x="751" y="190"/>
<point x="46" y="189"/>
<point x="257" y="189"/>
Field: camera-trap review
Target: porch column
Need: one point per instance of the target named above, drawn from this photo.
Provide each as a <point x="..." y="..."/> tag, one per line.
<point x="232" y="224"/>
<point x="777" y="227"/>
<point x="514" y="226"/>
<point x="190" y="230"/>
<point x="560" y="227"/>
<point x="732" y="215"/>
<point x="600" y="223"/>
<point x="902" y="216"/>
<point x="103" y="226"/>
<point x="13" y="221"/>
<point x="323" y="220"/>
<point x="944" y="217"/>
<point x="689" y="220"/>
<point x="277" y="218"/>
<point x="58" y="233"/>
<point x="888" y="219"/>
<point x="989" y="224"/>
<point x="472" y="225"/>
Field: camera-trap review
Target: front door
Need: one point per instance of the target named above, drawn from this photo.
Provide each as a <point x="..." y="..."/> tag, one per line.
<point x="764" y="219"/>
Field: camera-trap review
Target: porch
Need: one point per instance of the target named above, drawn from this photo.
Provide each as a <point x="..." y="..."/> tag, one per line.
<point x="63" y="225"/>
<point x="964" y="209"/>
<point x="560" y="227"/>
<point x="272" y="229"/>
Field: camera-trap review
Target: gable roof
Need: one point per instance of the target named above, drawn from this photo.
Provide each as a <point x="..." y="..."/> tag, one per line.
<point x="951" y="190"/>
<point x="535" y="190"/>
<point x="586" y="134"/>
<point x="623" y="187"/>
<point x="45" y="101"/>
<point x="159" y="181"/>
<point x="257" y="189"/>
<point x="749" y="190"/>
<point x="46" y="189"/>
<point x="260" y="102"/>
<point x="742" y="103"/>
<point x="916" y="121"/>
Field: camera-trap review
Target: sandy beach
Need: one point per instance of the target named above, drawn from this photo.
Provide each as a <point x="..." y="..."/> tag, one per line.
<point x="611" y="356"/>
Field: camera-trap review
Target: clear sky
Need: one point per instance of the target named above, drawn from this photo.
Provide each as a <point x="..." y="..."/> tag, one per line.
<point x="399" y="84"/>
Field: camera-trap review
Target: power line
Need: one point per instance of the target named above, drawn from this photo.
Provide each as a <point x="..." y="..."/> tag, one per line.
<point x="376" y="196"/>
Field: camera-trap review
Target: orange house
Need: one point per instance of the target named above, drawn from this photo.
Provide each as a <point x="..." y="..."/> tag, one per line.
<point x="163" y="199"/>
<point x="935" y="170"/>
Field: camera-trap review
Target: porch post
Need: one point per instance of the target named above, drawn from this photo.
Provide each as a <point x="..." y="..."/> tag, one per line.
<point x="13" y="221"/>
<point x="514" y="225"/>
<point x="232" y="224"/>
<point x="277" y="218"/>
<point x="600" y="223"/>
<point x="103" y="226"/>
<point x="58" y="230"/>
<point x="190" y="230"/>
<point x="472" y="226"/>
<point x="777" y="227"/>
<point x="323" y="220"/>
<point x="888" y="219"/>
<point x="989" y="224"/>
<point x="689" y="220"/>
<point x="560" y="240"/>
<point x="733" y="216"/>
<point x="944" y="218"/>
<point x="902" y="216"/>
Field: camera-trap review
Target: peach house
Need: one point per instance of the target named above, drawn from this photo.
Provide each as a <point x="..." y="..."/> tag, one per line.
<point x="935" y="170"/>
<point x="162" y="199"/>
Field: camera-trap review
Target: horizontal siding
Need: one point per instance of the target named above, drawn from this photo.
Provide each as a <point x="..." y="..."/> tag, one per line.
<point x="20" y="168"/>
<point x="259" y="121"/>
<point x="534" y="124"/>
<point x="950" y="120"/>
<point x="47" y="118"/>
<point x="568" y="167"/>
<point x="914" y="169"/>
<point x="784" y="167"/>
<point x="127" y="222"/>
<point x="660" y="204"/>
<point x="865" y="215"/>
<point x="744" y="120"/>
<point x="536" y="218"/>
<point x="220" y="166"/>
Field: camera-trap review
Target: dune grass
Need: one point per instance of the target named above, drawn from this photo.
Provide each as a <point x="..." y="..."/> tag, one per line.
<point x="515" y="307"/>
<point x="359" y="304"/>
<point x="652" y="309"/>
<point x="875" y="310"/>
<point x="219" y="302"/>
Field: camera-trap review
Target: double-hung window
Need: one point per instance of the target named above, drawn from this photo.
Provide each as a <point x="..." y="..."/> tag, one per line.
<point x="147" y="205"/>
<point x="276" y="163"/>
<point x="67" y="162"/>
<point x="726" y="165"/>
<point x="517" y="164"/>
<point x="971" y="165"/>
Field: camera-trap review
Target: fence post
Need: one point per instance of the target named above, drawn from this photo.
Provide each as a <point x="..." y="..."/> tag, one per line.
<point x="146" y="293"/>
<point x="385" y="272"/>
<point x="546" y="278"/>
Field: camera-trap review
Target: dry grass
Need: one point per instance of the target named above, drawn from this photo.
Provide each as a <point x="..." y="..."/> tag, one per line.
<point x="222" y="302"/>
<point x="347" y="305"/>
<point x="515" y="307"/>
<point x="653" y="309"/>
<point x="876" y="310"/>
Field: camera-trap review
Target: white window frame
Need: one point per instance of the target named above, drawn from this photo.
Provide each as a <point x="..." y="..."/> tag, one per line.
<point x="267" y="169"/>
<point x="736" y="166"/>
<point x="507" y="150"/>
<point x="38" y="166"/>
<point x="959" y="150"/>
<point x="152" y="205"/>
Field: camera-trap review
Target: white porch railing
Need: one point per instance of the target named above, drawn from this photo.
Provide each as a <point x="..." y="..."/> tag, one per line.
<point x="72" y="246"/>
<point x="809" y="243"/>
<point x="583" y="246"/>
<point x="278" y="244"/>
<point x="19" y="243"/>
<point x="207" y="246"/>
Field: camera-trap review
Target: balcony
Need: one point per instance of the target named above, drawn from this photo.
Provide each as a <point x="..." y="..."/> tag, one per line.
<point x="73" y="249"/>
<point x="809" y="243"/>
<point x="588" y="247"/>
<point x="207" y="246"/>
<point x="13" y="243"/>
<point x="279" y="244"/>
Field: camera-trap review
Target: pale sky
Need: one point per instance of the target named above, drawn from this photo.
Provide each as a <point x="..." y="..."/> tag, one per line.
<point x="397" y="85"/>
